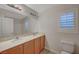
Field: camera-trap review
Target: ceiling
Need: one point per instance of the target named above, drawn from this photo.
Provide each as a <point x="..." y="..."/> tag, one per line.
<point x="40" y="7"/>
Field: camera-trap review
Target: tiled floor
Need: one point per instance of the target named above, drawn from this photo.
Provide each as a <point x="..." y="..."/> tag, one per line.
<point x="46" y="52"/>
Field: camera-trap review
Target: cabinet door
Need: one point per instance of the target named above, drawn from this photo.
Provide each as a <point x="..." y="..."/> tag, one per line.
<point x="29" y="47"/>
<point x="15" y="50"/>
<point x="37" y="45"/>
<point x="42" y="43"/>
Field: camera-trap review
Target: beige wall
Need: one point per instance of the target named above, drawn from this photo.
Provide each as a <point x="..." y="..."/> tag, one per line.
<point x="48" y="25"/>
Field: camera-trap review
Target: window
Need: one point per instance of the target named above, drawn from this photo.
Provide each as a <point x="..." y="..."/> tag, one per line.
<point x="67" y="21"/>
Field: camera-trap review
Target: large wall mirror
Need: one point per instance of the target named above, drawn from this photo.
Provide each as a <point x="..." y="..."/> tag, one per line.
<point x="6" y="26"/>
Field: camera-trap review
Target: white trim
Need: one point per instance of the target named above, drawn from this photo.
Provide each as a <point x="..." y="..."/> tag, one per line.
<point x="52" y="50"/>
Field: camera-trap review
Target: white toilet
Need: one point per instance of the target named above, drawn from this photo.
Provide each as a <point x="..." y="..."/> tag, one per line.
<point x="67" y="47"/>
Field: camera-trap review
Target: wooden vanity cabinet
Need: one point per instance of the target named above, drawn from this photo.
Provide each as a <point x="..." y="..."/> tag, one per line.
<point x="34" y="46"/>
<point x="14" y="50"/>
<point x="26" y="48"/>
<point x="29" y="47"/>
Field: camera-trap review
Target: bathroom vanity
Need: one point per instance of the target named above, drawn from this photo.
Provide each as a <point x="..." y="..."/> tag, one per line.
<point x="32" y="44"/>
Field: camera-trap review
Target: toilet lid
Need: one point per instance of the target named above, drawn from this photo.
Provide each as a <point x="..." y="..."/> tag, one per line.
<point x="63" y="52"/>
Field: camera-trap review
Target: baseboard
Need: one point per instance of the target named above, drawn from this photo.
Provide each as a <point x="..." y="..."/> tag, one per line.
<point x="52" y="50"/>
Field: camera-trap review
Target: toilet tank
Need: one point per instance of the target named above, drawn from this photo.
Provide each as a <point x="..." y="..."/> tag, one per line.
<point x="67" y="46"/>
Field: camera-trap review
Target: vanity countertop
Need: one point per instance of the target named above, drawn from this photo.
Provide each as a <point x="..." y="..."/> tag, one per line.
<point x="9" y="42"/>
